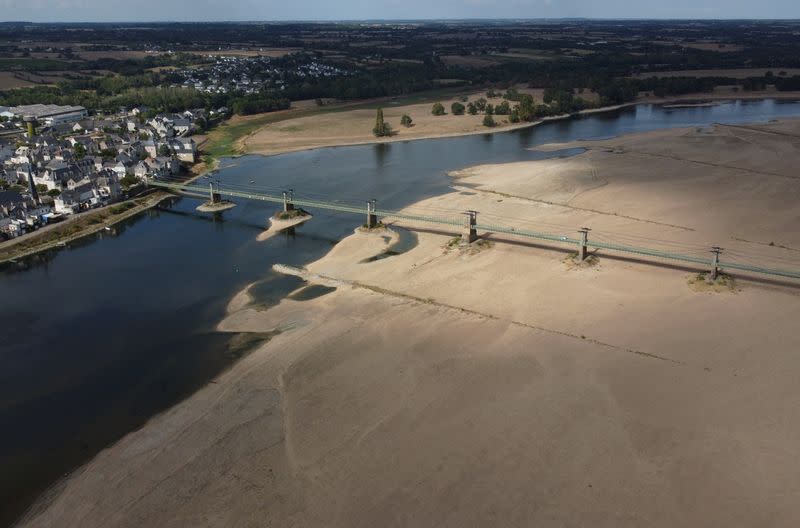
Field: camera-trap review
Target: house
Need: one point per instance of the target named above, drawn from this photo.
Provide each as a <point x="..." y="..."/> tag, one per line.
<point x="8" y="176"/>
<point x="141" y="110"/>
<point x="141" y="170"/>
<point x="57" y="173"/>
<point x="107" y="183"/>
<point x="162" y="126"/>
<point x="182" y="126"/>
<point x="150" y="147"/>
<point x="6" y="151"/>
<point x="18" y="213"/>
<point x="185" y="149"/>
<point x="84" y="196"/>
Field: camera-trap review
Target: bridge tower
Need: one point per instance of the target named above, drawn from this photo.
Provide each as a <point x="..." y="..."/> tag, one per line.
<point x="582" y="249"/>
<point x="470" y="227"/>
<point x="716" y="250"/>
<point x="215" y="197"/>
<point x="372" y="217"/>
<point x="288" y="199"/>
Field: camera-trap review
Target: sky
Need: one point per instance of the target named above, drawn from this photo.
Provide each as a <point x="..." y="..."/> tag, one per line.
<point x="237" y="10"/>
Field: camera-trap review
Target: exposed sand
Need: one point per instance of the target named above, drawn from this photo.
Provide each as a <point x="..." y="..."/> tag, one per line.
<point x="353" y="127"/>
<point x="504" y="386"/>
<point x="276" y="226"/>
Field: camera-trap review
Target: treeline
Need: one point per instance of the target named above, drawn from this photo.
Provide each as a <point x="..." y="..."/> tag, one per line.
<point x="259" y="103"/>
<point x="156" y="98"/>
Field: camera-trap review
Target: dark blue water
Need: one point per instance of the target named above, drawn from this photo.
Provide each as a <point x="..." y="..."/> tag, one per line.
<point x="99" y="336"/>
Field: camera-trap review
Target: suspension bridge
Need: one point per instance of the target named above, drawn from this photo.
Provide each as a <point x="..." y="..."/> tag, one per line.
<point x="467" y="223"/>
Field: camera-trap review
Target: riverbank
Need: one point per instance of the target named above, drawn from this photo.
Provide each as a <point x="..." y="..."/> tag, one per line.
<point x="77" y="227"/>
<point x="353" y="127"/>
<point x="504" y="384"/>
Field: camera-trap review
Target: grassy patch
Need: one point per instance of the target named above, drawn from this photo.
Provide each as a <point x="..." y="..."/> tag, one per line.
<point x="589" y="262"/>
<point x="379" y="225"/>
<point x="289" y="215"/>
<point x="121" y="208"/>
<point x="702" y="283"/>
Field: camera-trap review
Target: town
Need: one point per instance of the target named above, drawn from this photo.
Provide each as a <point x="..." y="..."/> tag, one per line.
<point x="58" y="161"/>
<point x="250" y="75"/>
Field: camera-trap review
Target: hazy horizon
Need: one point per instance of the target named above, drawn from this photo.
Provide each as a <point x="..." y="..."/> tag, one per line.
<point x="388" y="10"/>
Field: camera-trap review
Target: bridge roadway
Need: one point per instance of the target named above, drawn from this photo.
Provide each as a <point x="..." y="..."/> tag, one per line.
<point x="461" y="221"/>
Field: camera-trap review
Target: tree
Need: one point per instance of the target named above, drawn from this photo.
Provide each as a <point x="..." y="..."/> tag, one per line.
<point x="164" y="150"/>
<point x="438" y="109"/>
<point x="406" y="120"/>
<point x="513" y="117"/>
<point x="512" y="94"/>
<point x="40" y="187"/>
<point x="472" y="109"/>
<point x="457" y="108"/>
<point x="128" y="181"/>
<point x="53" y="192"/>
<point x="502" y="109"/>
<point x="488" y="121"/>
<point x="526" y="109"/>
<point x="491" y="94"/>
<point x="80" y="151"/>
<point x="489" y="109"/>
<point x="381" y="128"/>
<point x="480" y="104"/>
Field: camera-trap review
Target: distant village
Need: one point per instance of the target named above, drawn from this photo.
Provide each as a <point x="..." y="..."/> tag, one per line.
<point x="57" y="161"/>
<point x="249" y="75"/>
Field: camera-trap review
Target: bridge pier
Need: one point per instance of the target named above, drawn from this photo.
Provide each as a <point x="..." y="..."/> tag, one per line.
<point x="470" y="234"/>
<point x="583" y="249"/>
<point x="372" y="217"/>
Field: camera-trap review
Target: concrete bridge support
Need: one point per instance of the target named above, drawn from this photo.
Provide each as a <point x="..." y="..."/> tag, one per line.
<point x="372" y="217"/>
<point x="470" y="230"/>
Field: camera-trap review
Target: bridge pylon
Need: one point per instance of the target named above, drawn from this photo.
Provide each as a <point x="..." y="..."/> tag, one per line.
<point x="372" y="216"/>
<point x="583" y="250"/>
<point x="716" y="250"/>
<point x="470" y="227"/>
<point x="288" y="199"/>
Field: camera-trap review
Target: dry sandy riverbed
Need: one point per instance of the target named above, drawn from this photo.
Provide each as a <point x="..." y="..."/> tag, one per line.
<point x="354" y="127"/>
<point x="503" y="385"/>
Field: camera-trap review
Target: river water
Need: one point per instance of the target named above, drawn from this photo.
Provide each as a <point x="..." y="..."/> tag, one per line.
<point x="98" y="336"/>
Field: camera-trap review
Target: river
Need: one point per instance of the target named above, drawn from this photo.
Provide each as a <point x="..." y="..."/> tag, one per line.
<point x="102" y="334"/>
